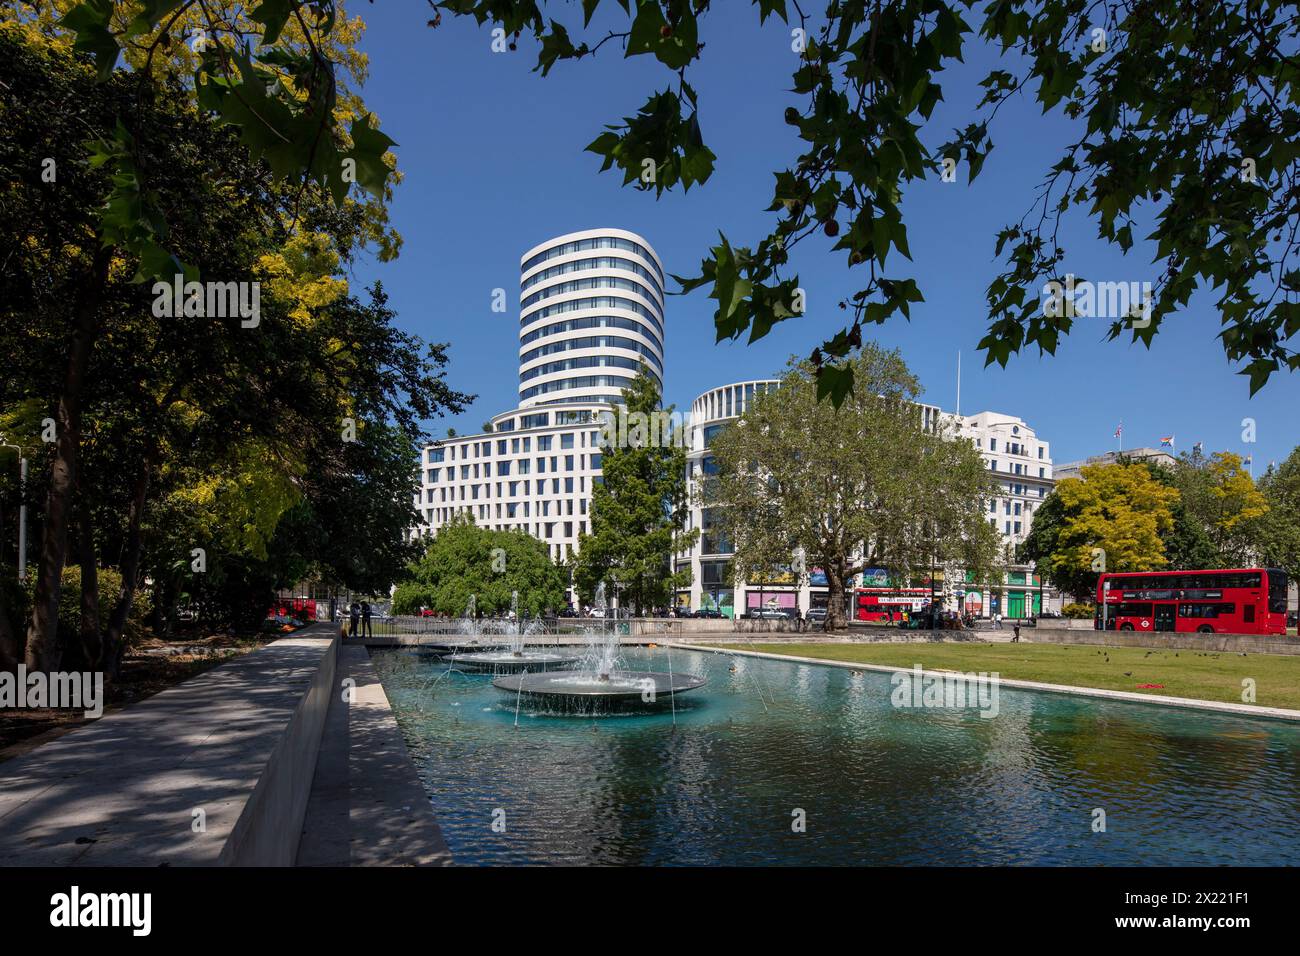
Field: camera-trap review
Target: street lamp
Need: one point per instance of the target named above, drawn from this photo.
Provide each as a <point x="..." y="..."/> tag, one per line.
<point x="22" y="509"/>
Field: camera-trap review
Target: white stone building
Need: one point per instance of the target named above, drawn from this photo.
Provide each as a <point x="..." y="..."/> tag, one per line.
<point x="591" y="315"/>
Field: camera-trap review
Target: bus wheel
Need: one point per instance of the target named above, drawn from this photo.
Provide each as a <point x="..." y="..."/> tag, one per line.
<point x="1126" y="627"/>
<point x="1205" y="629"/>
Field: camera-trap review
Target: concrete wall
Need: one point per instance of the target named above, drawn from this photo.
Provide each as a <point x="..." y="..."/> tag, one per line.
<point x="267" y="832"/>
<point x="1251" y="643"/>
<point x="238" y="742"/>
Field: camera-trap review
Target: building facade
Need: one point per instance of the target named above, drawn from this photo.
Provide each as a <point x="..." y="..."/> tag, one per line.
<point x="1074" y="469"/>
<point x="1021" y="464"/>
<point x="1019" y="461"/>
<point x="591" y="315"/>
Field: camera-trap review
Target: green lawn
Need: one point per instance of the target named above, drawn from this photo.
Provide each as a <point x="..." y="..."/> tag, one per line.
<point x="1202" y="675"/>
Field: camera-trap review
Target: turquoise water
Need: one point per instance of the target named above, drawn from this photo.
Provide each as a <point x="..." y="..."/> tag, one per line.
<point x="875" y="784"/>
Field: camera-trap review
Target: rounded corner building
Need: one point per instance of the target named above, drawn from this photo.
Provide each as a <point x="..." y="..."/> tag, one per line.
<point x="591" y="315"/>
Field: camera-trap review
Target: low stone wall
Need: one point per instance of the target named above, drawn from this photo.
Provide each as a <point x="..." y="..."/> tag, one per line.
<point x="216" y="770"/>
<point x="1237" y="643"/>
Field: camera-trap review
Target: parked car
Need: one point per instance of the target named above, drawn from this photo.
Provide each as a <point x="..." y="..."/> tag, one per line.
<point x="816" y="615"/>
<point x="709" y="612"/>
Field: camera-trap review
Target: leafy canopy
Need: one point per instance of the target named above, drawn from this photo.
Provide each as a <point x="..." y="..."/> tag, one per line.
<point x="1185" y="114"/>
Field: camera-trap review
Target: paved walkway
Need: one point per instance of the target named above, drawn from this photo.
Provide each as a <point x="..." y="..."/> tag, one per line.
<point x="127" y="790"/>
<point x="367" y="805"/>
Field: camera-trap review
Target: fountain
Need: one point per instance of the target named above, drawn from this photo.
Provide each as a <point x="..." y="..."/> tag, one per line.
<point x="598" y="684"/>
<point x="472" y="633"/>
<point x="514" y="655"/>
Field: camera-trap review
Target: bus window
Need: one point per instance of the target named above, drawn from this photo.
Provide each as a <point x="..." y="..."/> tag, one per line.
<point x="1206" y="610"/>
<point x="1248" y="611"/>
<point x="1277" y="592"/>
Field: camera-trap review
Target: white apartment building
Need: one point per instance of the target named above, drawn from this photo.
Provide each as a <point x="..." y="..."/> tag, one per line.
<point x="1020" y="463"/>
<point x="591" y="314"/>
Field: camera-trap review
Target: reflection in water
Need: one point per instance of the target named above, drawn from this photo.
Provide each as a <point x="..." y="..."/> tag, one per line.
<point x="879" y="785"/>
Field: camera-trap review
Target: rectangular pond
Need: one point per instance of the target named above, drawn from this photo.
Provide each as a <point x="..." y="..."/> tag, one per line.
<point x="782" y="763"/>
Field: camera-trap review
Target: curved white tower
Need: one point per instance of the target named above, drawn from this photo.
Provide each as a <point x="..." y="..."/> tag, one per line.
<point x="591" y="311"/>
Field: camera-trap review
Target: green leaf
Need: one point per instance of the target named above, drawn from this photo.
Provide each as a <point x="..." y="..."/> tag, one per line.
<point x="368" y="148"/>
<point x="89" y="21"/>
<point x="273" y="15"/>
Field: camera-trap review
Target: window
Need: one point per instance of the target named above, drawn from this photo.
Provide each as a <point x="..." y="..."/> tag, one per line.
<point x="1207" y="610"/>
<point x="568" y="463"/>
<point x="543" y="442"/>
<point x="596" y="460"/>
<point x="566" y="440"/>
<point x="1131" y="609"/>
<point x="993" y="444"/>
<point x="535" y="421"/>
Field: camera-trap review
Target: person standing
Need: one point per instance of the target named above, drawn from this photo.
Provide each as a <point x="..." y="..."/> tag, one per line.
<point x="1015" y="629"/>
<point x="365" y="620"/>
<point x="354" y="615"/>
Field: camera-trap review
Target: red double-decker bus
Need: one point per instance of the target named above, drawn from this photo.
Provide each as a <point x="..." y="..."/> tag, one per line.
<point x="886" y="604"/>
<point x="1222" y="601"/>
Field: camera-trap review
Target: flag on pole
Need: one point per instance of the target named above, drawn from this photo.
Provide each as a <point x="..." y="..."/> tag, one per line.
<point x="1119" y="430"/>
<point x="1249" y="460"/>
<point x="1167" y="442"/>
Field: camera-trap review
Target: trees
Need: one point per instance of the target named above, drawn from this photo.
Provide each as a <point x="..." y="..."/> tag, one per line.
<point x="1182" y="114"/>
<point x="638" y="513"/>
<point x="1278" y="531"/>
<point x="862" y="486"/>
<point x="1113" y="518"/>
<point x="183" y="440"/>
<point x="1221" y="498"/>
<point x="464" y="559"/>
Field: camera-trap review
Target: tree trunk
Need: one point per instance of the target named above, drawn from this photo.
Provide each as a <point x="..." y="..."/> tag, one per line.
<point x="10" y="652"/>
<point x="113" y="646"/>
<point x="91" y="642"/>
<point x="834" y="596"/>
<point x="43" y="648"/>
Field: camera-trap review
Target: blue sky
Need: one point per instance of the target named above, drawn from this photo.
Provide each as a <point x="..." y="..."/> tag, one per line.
<point x="494" y="163"/>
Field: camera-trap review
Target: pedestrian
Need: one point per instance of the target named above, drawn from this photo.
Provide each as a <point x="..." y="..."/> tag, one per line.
<point x="354" y="615"/>
<point x="997" y="621"/>
<point x="365" y="620"/>
<point x="1016" y="634"/>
